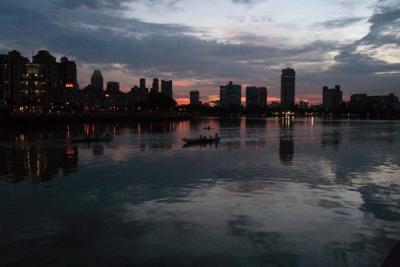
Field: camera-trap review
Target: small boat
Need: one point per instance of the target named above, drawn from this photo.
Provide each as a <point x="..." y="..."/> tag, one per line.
<point x="208" y="128"/>
<point x="91" y="139"/>
<point x="198" y="141"/>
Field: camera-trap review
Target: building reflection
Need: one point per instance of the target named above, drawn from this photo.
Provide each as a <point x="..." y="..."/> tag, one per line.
<point x="286" y="142"/>
<point x="331" y="139"/>
<point x="40" y="164"/>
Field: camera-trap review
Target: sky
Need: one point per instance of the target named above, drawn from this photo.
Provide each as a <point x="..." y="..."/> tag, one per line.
<point x="203" y="44"/>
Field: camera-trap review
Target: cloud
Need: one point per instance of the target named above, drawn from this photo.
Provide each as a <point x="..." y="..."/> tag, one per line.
<point x="110" y="4"/>
<point x="340" y="23"/>
<point x="384" y="31"/>
<point x="247" y="2"/>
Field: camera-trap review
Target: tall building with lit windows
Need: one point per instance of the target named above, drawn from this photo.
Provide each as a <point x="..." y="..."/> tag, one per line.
<point x="33" y="89"/>
<point x="50" y="72"/>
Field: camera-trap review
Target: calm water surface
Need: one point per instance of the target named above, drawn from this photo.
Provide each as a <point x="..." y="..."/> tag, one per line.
<point x="303" y="193"/>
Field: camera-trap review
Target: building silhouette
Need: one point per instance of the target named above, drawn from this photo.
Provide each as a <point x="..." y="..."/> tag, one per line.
<point x="67" y="73"/>
<point x="194" y="98"/>
<point x="34" y="91"/>
<point x="12" y="67"/>
<point x="50" y="72"/>
<point x="143" y="84"/>
<point x="256" y="97"/>
<point x="230" y="95"/>
<point x="112" y="87"/>
<point x="155" y="87"/>
<point x="363" y="103"/>
<point x="68" y="87"/>
<point x="332" y="98"/>
<point x="97" y="81"/>
<point x="288" y="88"/>
<point x="166" y="88"/>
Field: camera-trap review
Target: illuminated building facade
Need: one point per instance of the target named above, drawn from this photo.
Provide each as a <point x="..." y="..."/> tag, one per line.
<point x="50" y="72"/>
<point x="33" y="89"/>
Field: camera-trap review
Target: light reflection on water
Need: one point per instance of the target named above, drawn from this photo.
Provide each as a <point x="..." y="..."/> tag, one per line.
<point x="303" y="193"/>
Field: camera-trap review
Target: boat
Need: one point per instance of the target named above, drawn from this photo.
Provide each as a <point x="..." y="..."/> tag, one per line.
<point x="208" y="128"/>
<point x="201" y="141"/>
<point x="91" y="139"/>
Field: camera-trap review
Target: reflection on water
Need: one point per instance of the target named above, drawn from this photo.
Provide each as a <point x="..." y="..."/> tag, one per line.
<point x="272" y="193"/>
<point x="286" y="142"/>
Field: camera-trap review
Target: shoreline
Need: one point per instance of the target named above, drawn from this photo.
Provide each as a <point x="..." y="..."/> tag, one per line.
<point x="12" y="118"/>
<point x="9" y="118"/>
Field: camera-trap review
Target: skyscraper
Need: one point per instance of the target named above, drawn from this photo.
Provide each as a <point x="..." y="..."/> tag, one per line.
<point x="34" y="93"/>
<point x="288" y="88"/>
<point x="166" y="88"/>
<point x="194" y="98"/>
<point x="97" y="81"/>
<point x="156" y="86"/>
<point x="142" y="84"/>
<point x="50" y="72"/>
<point x="230" y="95"/>
<point x="256" y="97"/>
<point x="332" y="98"/>
<point x="12" y="67"/>
<point x="67" y="73"/>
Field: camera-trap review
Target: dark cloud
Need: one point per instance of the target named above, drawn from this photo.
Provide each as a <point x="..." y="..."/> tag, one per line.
<point x="384" y="30"/>
<point x="340" y="23"/>
<point x="102" y="38"/>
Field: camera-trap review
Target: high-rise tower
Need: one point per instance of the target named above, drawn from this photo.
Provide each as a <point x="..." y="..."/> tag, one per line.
<point x="288" y="88"/>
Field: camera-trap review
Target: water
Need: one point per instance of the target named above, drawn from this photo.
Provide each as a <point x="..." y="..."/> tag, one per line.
<point x="303" y="193"/>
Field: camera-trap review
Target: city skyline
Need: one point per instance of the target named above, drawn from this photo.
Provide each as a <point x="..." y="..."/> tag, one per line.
<point x="352" y="43"/>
